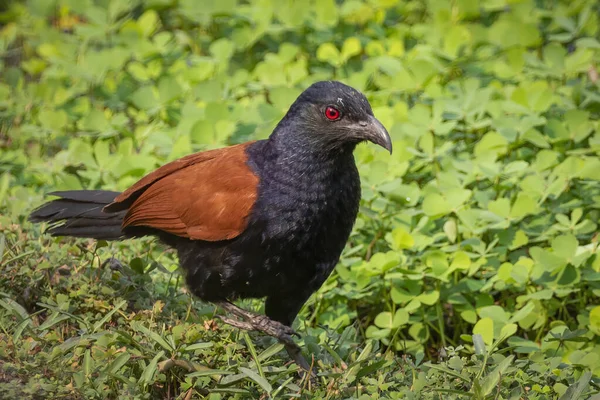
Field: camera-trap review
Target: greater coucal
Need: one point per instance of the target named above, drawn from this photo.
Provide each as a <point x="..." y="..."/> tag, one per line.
<point x="264" y="219"/>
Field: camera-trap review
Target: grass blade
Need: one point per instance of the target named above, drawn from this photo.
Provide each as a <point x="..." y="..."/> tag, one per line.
<point x="148" y="374"/>
<point x="262" y="382"/>
<point x="108" y="315"/>
<point x="492" y="379"/>
<point x="253" y="354"/>
<point x="118" y="363"/>
<point x="153" y="335"/>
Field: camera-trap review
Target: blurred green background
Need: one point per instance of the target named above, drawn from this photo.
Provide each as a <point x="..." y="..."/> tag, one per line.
<point x="473" y="269"/>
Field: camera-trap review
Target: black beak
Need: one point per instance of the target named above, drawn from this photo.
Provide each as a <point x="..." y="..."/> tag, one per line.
<point x="375" y="132"/>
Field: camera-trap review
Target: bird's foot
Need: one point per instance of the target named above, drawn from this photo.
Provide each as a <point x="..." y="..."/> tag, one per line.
<point x="256" y="322"/>
<point x="283" y="333"/>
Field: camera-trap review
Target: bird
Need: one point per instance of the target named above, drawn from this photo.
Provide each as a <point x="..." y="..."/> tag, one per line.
<point x="263" y="219"/>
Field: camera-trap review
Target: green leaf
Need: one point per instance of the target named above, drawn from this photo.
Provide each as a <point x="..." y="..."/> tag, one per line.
<point x="373" y="332"/>
<point x="14" y="307"/>
<point x="427" y="144"/>
<point x="401" y="239"/>
<point x="522" y="313"/>
<point x="382" y="262"/>
<point x="595" y="320"/>
<point x="350" y="48"/>
<point x="327" y="52"/>
<point x="400" y="318"/>
<point x="437" y="261"/>
<point x="479" y="344"/>
<point x="269" y="352"/>
<point x="222" y="50"/>
<point x="456" y="197"/>
<point x="485" y="328"/>
<point x="152" y="335"/>
<point x="545" y="159"/>
<point x="429" y="298"/>
<point x="576" y="215"/>
<point x="469" y="315"/>
<point x="492" y="143"/>
<point x="102" y="153"/>
<point x="384" y="320"/>
<point x="490" y="382"/>
<point x="447" y="370"/>
<point x="576" y="390"/>
<point x="500" y="207"/>
<point x="209" y="372"/>
<point x="199" y="346"/>
<point x="519" y="240"/>
<point x="169" y="89"/>
<point x="108" y="316"/>
<point x="418" y="332"/>
<point x="523" y="205"/>
<point x="388" y="321"/>
<point x="88" y="364"/>
<point x="533" y="136"/>
<point x="451" y="230"/>
<point x="118" y="363"/>
<point x="546" y="260"/>
<point x="507" y="331"/>
<point x="53" y="119"/>
<point x="147" y="376"/>
<point x="496" y="313"/>
<point x="327" y="13"/>
<point x="400" y="296"/>
<point x="148" y="22"/>
<point x="565" y="246"/>
<point x="146" y="98"/>
<point x="590" y="168"/>
<point x="434" y="205"/>
<point x="579" y="124"/>
<point x="95" y="121"/>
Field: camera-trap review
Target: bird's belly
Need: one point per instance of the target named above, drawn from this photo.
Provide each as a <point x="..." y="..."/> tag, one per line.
<point x="280" y="258"/>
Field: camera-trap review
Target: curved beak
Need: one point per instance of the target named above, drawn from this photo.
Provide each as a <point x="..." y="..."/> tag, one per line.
<point x="375" y="132"/>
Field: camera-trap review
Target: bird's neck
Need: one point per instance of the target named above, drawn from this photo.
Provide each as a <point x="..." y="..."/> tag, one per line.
<point x="301" y="158"/>
<point x="306" y="190"/>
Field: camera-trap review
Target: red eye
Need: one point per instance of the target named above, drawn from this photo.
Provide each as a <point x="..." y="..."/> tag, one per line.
<point x="332" y="113"/>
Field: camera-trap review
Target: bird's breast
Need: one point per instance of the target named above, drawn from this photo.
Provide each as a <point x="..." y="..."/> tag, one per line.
<point x="311" y="210"/>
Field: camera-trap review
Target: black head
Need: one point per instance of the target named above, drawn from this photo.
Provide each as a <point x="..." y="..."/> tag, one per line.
<point x="333" y="115"/>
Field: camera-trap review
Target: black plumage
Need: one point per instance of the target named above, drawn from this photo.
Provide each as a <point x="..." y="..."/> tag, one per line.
<point x="78" y="213"/>
<point x="300" y="187"/>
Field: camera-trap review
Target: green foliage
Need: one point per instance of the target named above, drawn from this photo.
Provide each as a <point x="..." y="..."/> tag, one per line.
<point x="476" y="245"/>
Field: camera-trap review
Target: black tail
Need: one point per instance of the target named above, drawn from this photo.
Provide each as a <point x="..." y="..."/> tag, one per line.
<point x="78" y="213"/>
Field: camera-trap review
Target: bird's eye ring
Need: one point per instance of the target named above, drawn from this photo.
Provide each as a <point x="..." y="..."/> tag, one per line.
<point x="332" y="113"/>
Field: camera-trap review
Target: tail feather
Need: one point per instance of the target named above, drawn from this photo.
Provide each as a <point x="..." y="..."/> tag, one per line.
<point x="87" y="196"/>
<point x="78" y="213"/>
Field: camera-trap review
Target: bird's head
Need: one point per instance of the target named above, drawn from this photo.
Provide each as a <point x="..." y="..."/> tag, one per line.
<point x="333" y="115"/>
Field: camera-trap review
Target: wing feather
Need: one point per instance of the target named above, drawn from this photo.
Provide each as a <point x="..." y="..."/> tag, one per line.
<point x="204" y="196"/>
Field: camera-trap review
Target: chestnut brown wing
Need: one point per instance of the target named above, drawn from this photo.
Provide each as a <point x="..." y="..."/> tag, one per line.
<point x="203" y="196"/>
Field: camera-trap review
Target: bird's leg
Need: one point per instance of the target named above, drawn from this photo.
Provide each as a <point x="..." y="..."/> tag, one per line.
<point x="262" y="323"/>
<point x="257" y="322"/>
